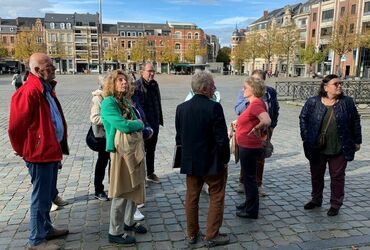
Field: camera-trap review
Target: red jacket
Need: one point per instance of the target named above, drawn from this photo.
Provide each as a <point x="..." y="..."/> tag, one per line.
<point x="31" y="129"/>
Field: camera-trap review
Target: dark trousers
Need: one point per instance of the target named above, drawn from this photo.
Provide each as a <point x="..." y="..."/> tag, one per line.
<point x="101" y="165"/>
<point x="337" y="166"/>
<point x="194" y="184"/>
<point x="150" y="146"/>
<point x="44" y="181"/>
<point x="260" y="165"/>
<point x="248" y="162"/>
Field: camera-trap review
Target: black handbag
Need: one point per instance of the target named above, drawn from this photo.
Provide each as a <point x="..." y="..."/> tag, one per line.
<point x="94" y="143"/>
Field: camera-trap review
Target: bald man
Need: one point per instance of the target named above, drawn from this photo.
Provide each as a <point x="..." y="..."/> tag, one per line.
<point x="38" y="134"/>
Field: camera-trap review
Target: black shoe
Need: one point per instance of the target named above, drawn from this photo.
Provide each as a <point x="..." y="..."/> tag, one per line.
<point x="102" y="196"/>
<point x="194" y="239"/>
<point x="311" y="205"/>
<point x="124" y="239"/>
<point x="241" y="206"/>
<point x="137" y="228"/>
<point x="244" y="214"/>
<point x="333" y="211"/>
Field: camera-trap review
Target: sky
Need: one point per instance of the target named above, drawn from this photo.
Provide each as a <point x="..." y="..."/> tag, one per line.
<point x="217" y="17"/>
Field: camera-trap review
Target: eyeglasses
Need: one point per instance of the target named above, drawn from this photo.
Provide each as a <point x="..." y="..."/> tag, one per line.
<point x="336" y="84"/>
<point x="150" y="71"/>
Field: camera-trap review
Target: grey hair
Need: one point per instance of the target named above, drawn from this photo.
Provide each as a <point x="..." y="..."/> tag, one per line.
<point x="201" y="80"/>
<point x="142" y="66"/>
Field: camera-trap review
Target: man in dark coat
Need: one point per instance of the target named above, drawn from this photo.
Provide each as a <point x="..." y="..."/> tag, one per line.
<point x="201" y="131"/>
<point x="147" y="92"/>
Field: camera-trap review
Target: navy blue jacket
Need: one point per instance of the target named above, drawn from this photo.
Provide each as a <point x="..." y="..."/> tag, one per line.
<point x="347" y="119"/>
<point x="202" y="132"/>
<point x="149" y="99"/>
<point x="271" y="99"/>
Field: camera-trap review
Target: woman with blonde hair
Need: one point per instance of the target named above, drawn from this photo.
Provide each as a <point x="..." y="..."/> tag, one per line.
<point x="125" y="142"/>
<point x="251" y="129"/>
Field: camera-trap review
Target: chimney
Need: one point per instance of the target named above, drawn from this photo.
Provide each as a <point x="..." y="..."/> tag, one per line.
<point x="265" y="13"/>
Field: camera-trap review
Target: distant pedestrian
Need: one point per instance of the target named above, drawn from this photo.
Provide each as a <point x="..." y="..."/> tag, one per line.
<point x="99" y="132"/>
<point x="38" y="134"/>
<point x="125" y="142"/>
<point x="17" y="80"/>
<point x="251" y="130"/>
<point x="202" y="133"/>
<point x="270" y="99"/>
<point x="331" y="134"/>
<point x="148" y="94"/>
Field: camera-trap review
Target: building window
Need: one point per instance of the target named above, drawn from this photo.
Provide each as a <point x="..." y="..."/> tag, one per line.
<point x="177" y="46"/>
<point x="367" y="8"/>
<point x="353" y="9"/>
<point x="341" y="28"/>
<point x="39" y="39"/>
<point x="12" y="39"/>
<point x="68" y="26"/>
<point x="161" y="43"/>
<point x="326" y="31"/>
<point x="52" y="25"/>
<point x="342" y="10"/>
<point x="128" y="33"/>
<point x="92" y="24"/>
<point x="365" y="27"/>
<point x="12" y="29"/>
<point x="133" y="33"/>
<point x="196" y="36"/>
<point x="314" y="17"/>
<point x="78" y="23"/>
<point x="122" y="44"/>
<point x="69" y="38"/>
<point x="62" y="37"/>
<point x="313" y="32"/>
<point x="62" y="26"/>
<point x="122" y="33"/>
<point x="129" y="44"/>
<point x="178" y="35"/>
<point x="5" y="40"/>
<point x="189" y="35"/>
<point x="327" y="15"/>
<point x="140" y="33"/>
<point x="352" y="28"/>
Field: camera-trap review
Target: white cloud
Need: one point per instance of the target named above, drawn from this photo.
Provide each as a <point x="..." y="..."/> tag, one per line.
<point x="15" y="8"/>
<point x="234" y="20"/>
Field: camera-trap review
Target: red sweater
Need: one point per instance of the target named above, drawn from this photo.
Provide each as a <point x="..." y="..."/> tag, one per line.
<point x="246" y="122"/>
<point x="31" y="129"/>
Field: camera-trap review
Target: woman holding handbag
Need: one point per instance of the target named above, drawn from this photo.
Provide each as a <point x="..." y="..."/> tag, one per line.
<point x="331" y="133"/>
<point x="125" y="142"/>
<point x="99" y="132"/>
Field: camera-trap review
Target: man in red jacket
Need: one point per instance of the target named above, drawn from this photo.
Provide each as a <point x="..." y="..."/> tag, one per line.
<point x="38" y="134"/>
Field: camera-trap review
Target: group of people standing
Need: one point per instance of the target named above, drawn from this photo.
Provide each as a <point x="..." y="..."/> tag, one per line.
<point x="128" y="114"/>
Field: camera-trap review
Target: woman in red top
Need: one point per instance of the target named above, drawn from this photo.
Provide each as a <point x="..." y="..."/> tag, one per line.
<point x="250" y="132"/>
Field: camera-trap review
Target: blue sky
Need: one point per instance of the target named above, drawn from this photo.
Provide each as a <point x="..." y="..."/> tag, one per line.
<point x="217" y="17"/>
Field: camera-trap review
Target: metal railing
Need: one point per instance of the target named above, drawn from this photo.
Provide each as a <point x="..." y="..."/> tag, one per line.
<point x="359" y="90"/>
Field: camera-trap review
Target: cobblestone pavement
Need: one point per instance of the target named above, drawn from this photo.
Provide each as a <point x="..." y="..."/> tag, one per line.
<point x="283" y="223"/>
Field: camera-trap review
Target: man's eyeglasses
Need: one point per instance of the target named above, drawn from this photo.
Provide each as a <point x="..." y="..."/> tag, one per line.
<point x="150" y="71"/>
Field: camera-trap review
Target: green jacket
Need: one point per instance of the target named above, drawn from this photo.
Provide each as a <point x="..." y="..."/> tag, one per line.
<point x="113" y="120"/>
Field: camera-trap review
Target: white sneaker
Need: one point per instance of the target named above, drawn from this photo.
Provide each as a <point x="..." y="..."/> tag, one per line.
<point x="54" y="207"/>
<point x="261" y="191"/>
<point x="141" y="205"/>
<point x="138" y="215"/>
<point x="205" y="188"/>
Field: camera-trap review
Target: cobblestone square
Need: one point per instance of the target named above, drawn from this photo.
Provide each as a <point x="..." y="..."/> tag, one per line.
<point x="282" y="223"/>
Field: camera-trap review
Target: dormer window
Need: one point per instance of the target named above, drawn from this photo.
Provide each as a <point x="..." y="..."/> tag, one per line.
<point x="52" y="25"/>
<point x="68" y="26"/>
<point x="62" y="26"/>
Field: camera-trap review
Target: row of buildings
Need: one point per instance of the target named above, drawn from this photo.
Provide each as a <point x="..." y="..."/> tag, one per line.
<point x="78" y="42"/>
<point x="316" y="22"/>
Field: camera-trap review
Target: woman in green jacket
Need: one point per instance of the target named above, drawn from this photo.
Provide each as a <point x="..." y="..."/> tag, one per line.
<point x="124" y="141"/>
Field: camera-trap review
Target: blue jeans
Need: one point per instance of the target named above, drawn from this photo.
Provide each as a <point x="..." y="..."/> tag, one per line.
<point x="44" y="181"/>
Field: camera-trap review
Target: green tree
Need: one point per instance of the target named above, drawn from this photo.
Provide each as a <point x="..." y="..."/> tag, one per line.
<point x="3" y="51"/>
<point x="140" y="51"/>
<point x="238" y="56"/>
<point x="269" y="43"/>
<point x="26" y="44"/>
<point x="288" y="38"/>
<point x="194" y="49"/>
<point x="167" y="55"/>
<point x="310" y="56"/>
<point x="343" y="39"/>
<point x="251" y="46"/>
<point x="224" y="55"/>
<point x="58" y="53"/>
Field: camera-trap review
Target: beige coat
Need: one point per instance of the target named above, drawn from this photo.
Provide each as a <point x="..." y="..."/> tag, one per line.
<point x="127" y="173"/>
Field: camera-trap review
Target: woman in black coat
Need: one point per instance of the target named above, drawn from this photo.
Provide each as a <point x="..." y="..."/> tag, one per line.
<point x="331" y="133"/>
